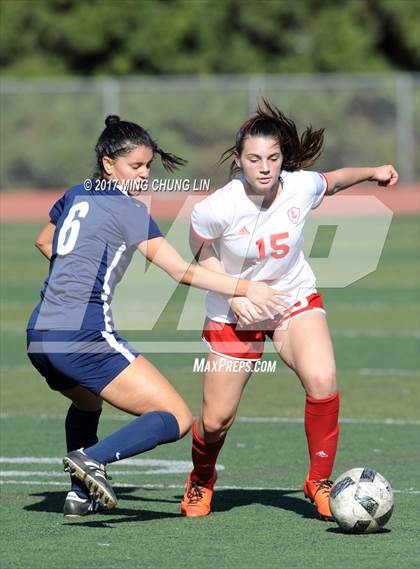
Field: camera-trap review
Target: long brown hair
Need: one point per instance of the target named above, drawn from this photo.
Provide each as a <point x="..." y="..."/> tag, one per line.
<point x="268" y="120"/>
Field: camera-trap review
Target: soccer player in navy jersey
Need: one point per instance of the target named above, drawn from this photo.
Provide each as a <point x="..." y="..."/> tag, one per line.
<point x="93" y="232"/>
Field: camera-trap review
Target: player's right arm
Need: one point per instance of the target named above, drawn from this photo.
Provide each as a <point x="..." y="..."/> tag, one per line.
<point x="160" y="252"/>
<point x="344" y="178"/>
<point x="44" y="239"/>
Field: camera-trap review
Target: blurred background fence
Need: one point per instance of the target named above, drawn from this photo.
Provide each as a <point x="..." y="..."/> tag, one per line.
<point x="49" y="127"/>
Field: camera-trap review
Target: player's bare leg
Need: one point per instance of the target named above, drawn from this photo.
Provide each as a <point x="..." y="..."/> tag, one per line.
<point x="141" y="388"/>
<point x="222" y="392"/>
<point x="221" y="396"/>
<point x="162" y="417"/>
<point x="307" y="349"/>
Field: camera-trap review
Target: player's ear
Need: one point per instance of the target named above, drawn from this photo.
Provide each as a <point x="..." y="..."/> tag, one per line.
<point x="108" y="165"/>
<point x="237" y="159"/>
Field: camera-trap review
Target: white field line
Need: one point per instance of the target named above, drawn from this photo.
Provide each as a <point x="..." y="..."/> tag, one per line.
<point x="145" y="466"/>
<point x="125" y="462"/>
<point x="198" y="347"/>
<point x="292" y="420"/>
<point x="384" y="371"/>
<point x="342" y="421"/>
<point x="282" y="369"/>
<point x="167" y="467"/>
<point x="182" y="486"/>
<point x="347" y="303"/>
<point x="376" y="334"/>
<point x="383" y="334"/>
<point x="170" y="347"/>
<point x="160" y="466"/>
<point x="371" y="304"/>
<point x="39" y="473"/>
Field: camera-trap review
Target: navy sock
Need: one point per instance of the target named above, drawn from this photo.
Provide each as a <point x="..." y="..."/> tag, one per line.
<point x="142" y="434"/>
<point x="81" y="428"/>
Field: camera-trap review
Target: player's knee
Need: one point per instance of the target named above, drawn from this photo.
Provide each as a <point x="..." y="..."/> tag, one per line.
<point x="323" y="382"/>
<point x="184" y="417"/>
<point x="216" y="425"/>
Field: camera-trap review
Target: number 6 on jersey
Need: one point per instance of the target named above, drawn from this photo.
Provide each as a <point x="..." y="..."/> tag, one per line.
<point x="71" y="227"/>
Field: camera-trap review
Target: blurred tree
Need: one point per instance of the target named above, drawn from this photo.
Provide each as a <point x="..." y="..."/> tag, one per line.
<point x="90" y="37"/>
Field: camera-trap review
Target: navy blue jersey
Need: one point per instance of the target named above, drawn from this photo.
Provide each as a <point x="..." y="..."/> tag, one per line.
<point x="96" y="235"/>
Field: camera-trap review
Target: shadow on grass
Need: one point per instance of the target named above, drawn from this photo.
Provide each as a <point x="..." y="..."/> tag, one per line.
<point x="109" y="519"/>
<point x="340" y="531"/>
<point x="223" y="501"/>
<point x="52" y="502"/>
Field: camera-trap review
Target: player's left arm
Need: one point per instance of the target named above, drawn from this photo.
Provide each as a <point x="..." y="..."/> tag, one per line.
<point x="343" y="178"/>
<point x="44" y="239"/>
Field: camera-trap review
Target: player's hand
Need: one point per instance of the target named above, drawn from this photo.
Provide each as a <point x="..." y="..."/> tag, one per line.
<point x="385" y="175"/>
<point x="266" y="298"/>
<point x="246" y="312"/>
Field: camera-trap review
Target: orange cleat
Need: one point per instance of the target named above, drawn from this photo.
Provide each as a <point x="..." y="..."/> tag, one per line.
<point x="318" y="492"/>
<point x="198" y="495"/>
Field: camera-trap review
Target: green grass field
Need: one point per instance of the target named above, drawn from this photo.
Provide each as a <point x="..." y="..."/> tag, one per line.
<point x="260" y="519"/>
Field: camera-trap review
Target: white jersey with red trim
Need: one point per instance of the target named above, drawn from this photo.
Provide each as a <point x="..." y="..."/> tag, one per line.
<point x="257" y="243"/>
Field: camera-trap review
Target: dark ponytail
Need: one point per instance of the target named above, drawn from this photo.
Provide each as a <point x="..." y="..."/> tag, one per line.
<point x="268" y="120"/>
<point x="169" y="161"/>
<point x="121" y="137"/>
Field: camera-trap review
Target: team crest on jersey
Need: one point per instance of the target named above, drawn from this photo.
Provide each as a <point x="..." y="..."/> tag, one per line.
<point x="294" y="214"/>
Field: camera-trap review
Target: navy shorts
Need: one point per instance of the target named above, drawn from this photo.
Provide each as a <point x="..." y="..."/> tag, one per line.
<point x="88" y="358"/>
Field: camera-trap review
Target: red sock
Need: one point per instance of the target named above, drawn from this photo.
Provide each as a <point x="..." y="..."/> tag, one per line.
<point x="321" y="427"/>
<point x="204" y="455"/>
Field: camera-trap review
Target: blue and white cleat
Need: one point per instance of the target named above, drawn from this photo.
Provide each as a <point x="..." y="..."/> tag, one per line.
<point x="93" y="474"/>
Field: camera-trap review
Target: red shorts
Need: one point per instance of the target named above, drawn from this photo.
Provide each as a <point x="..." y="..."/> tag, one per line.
<point x="247" y="343"/>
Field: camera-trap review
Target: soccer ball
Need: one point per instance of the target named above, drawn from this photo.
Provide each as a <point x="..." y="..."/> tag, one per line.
<point x="361" y="501"/>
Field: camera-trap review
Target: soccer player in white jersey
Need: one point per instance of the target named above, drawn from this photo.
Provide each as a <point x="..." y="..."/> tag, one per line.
<point x="93" y="232"/>
<point x="253" y="228"/>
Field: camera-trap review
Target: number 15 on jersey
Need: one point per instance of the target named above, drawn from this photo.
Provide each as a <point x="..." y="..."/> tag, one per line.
<point x="276" y="242"/>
